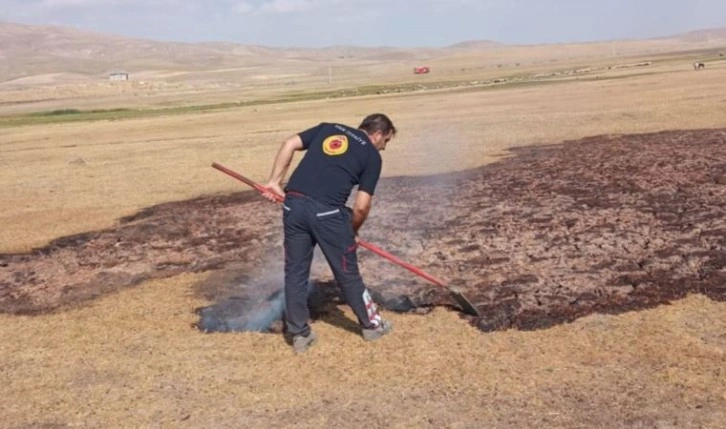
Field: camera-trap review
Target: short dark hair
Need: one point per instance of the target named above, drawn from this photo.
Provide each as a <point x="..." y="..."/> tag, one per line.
<point x="377" y="122"/>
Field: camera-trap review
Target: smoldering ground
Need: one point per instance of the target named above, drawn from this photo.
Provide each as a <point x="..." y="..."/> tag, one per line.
<point x="605" y="224"/>
<point x="256" y="307"/>
<point x="255" y="301"/>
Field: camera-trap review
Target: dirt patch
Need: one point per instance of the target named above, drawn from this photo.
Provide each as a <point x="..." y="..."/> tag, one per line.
<point x="162" y="241"/>
<point x="606" y="224"/>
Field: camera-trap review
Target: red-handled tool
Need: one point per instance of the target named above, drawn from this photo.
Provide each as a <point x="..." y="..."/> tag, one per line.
<point x="460" y="299"/>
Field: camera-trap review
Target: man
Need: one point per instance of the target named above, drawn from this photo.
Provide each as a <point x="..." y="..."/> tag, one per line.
<point x="337" y="158"/>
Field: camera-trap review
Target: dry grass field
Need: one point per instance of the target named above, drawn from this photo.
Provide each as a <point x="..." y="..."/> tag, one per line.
<point x="132" y="359"/>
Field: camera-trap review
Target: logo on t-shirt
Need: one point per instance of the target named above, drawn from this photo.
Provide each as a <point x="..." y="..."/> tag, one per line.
<point x="335" y="145"/>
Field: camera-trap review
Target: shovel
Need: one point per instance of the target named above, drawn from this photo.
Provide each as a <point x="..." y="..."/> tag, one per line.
<point x="465" y="305"/>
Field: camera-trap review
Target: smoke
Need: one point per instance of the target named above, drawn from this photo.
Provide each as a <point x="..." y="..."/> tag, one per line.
<point x="416" y="225"/>
<point x="258" y="305"/>
<point x="254" y="308"/>
<point x="248" y="300"/>
<point x="237" y="314"/>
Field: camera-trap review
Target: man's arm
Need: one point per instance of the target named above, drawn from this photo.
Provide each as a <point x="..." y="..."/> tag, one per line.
<point x="280" y="166"/>
<point x="361" y="208"/>
<point x="366" y="187"/>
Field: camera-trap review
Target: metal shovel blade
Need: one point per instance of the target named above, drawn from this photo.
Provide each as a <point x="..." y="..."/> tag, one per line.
<point x="466" y="306"/>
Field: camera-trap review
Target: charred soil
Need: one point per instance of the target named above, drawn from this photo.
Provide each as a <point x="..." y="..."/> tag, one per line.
<point x="605" y="224"/>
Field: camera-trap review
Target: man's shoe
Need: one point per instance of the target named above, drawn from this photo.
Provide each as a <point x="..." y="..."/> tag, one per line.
<point x="375" y="333"/>
<point x="301" y="344"/>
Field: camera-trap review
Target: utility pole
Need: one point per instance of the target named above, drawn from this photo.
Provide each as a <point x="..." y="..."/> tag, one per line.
<point x="330" y="67"/>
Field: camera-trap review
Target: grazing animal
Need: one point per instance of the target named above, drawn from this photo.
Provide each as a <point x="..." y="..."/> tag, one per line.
<point x="699" y="66"/>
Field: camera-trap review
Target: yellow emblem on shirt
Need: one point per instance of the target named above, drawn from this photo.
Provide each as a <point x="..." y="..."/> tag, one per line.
<point x="335" y="145"/>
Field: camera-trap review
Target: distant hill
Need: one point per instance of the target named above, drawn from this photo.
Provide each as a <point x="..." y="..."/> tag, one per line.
<point x="49" y="49"/>
<point x="51" y="53"/>
<point x="477" y="44"/>
<point x="713" y="35"/>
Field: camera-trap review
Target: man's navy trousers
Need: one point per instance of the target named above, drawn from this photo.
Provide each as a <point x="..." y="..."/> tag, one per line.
<point x="307" y="223"/>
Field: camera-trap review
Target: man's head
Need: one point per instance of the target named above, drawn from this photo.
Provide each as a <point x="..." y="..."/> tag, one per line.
<point x="379" y="128"/>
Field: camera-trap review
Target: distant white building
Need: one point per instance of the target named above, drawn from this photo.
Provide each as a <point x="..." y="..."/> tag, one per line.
<point x="118" y="76"/>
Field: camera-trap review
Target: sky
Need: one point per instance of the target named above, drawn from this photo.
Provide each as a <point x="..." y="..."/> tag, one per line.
<point x="402" y="23"/>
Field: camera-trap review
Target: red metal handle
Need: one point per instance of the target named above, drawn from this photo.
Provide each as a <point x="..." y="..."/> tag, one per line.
<point x="242" y="178"/>
<point x="373" y="248"/>
<point x="378" y="251"/>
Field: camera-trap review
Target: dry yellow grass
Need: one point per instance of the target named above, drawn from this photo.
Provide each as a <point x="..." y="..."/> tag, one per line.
<point x="131" y="359"/>
<point x="136" y="163"/>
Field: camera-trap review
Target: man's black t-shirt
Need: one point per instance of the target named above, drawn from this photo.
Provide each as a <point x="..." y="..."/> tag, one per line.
<point x="338" y="157"/>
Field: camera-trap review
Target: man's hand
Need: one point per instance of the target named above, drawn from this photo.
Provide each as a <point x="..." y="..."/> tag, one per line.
<point x="274" y="192"/>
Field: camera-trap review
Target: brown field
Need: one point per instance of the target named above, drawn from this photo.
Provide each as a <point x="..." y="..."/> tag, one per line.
<point x="91" y="351"/>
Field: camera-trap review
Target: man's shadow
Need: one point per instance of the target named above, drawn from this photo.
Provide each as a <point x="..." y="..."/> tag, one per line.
<point x="325" y="301"/>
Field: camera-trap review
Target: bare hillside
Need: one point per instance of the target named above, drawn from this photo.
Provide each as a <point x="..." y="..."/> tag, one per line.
<point x="41" y="49"/>
<point x="713" y="35"/>
<point x="37" y="50"/>
<point x="48" y="55"/>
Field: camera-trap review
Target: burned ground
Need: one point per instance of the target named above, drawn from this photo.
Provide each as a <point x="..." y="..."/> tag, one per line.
<point x="606" y="224"/>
